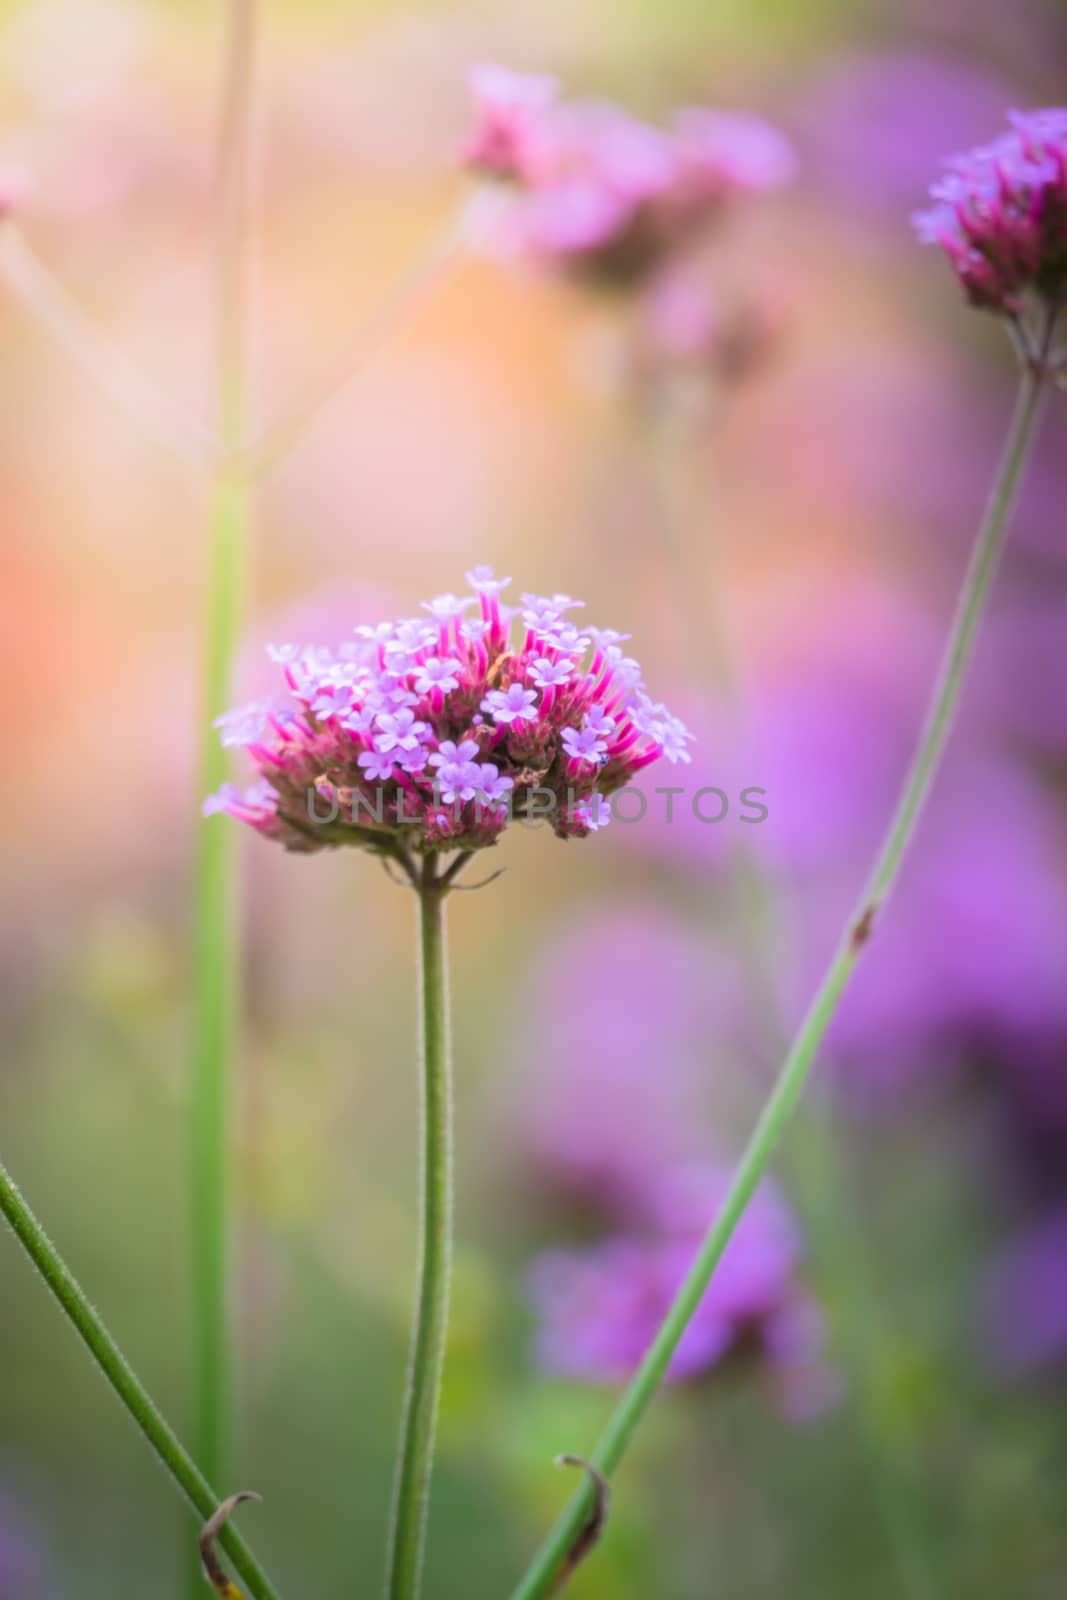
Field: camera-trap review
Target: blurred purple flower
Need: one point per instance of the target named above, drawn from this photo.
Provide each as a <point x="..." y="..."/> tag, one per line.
<point x="1025" y="1315"/>
<point x="623" y="1010"/>
<point x="686" y="326"/>
<point x="509" y="107"/>
<point x="603" y="195"/>
<point x="600" y="1308"/>
<point x="971" y="961"/>
<point x="880" y="124"/>
<point x="20" y="1555"/>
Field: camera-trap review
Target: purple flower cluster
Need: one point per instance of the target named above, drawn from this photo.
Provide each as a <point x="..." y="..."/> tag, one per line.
<point x="20" y="1554"/>
<point x="432" y="732"/>
<point x="601" y="1307"/>
<point x="601" y="194"/>
<point x="1001" y="214"/>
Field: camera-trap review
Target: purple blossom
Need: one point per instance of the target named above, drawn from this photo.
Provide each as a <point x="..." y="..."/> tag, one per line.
<point x="594" y="813"/>
<point x="600" y="1307"/>
<point x="619" y="1010"/>
<point x="514" y="704"/>
<point x="492" y="784"/>
<point x="509" y="108"/>
<point x="393" y="724"/>
<point x="584" y="744"/>
<point x="546" y="674"/>
<point x="399" y="730"/>
<point x="450" y="751"/>
<point x="21" y="1568"/>
<point x="436" y="674"/>
<point x="481" y="579"/>
<point x="600" y="721"/>
<point x="1025" y="1314"/>
<point x="446" y="606"/>
<point x="609" y="198"/>
<point x="244" y="725"/>
<point x="458" y="780"/>
<point x="721" y="153"/>
<point x="376" y="765"/>
<point x="1000" y="214"/>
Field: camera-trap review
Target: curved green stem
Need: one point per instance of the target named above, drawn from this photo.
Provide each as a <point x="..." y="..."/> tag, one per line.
<point x="755" y="907"/>
<point x="119" y="1374"/>
<point x="541" y="1576"/>
<point x="412" y="1487"/>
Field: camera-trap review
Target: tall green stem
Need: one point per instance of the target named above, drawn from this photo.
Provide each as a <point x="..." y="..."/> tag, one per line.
<point x="800" y="1059"/>
<point x="215" y="931"/>
<point x="119" y="1374"/>
<point x="215" y="996"/>
<point x="756" y="910"/>
<point x="412" y="1487"/>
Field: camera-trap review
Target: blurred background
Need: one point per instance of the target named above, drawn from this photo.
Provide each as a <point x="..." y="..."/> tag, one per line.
<point x="783" y="531"/>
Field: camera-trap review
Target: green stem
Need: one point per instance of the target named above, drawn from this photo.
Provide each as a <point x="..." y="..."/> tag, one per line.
<point x="412" y="1487"/>
<point x="800" y="1059"/>
<point x="215" y="997"/>
<point x="756" y="909"/>
<point x="116" y="1369"/>
<point x="215" y="932"/>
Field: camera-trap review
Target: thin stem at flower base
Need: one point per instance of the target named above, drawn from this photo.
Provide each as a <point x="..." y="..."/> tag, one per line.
<point x="116" y="1369"/>
<point x="542" y="1574"/>
<point x="415" y="1464"/>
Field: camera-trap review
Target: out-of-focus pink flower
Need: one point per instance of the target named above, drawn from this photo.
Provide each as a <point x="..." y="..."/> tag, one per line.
<point x="1001" y="214"/>
<point x="686" y="326"/>
<point x="720" y="154"/>
<point x="425" y="732"/>
<point x="876" y="124"/>
<point x="599" y="1308"/>
<point x="509" y="109"/>
<point x="1025" y="1316"/>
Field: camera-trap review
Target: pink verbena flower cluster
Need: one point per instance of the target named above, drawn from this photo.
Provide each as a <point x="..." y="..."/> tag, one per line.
<point x="431" y="733"/>
<point x="601" y="194"/>
<point x="1001" y="214"/>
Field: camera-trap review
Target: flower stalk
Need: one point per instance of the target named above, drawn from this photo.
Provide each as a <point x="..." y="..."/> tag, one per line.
<point x="415" y="1461"/>
<point x="72" y="1300"/>
<point x="636" y="1399"/>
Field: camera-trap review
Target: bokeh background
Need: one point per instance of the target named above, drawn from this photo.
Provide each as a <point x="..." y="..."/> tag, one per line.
<point x="610" y="1018"/>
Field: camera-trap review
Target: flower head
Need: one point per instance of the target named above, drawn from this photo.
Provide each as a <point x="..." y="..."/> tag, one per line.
<point x="601" y="1307"/>
<point x="603" y="195"/>
<point x="509" y="107"/>
<point x="431" y="733"/>
<point x="1000" y="214"/>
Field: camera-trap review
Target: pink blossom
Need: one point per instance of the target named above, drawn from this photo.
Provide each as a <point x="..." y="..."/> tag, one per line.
<point x="1000" y="214"/>
<point x="509" y="107"/>
<point x="607" y="197"/>
<point x="371" y="741"/>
